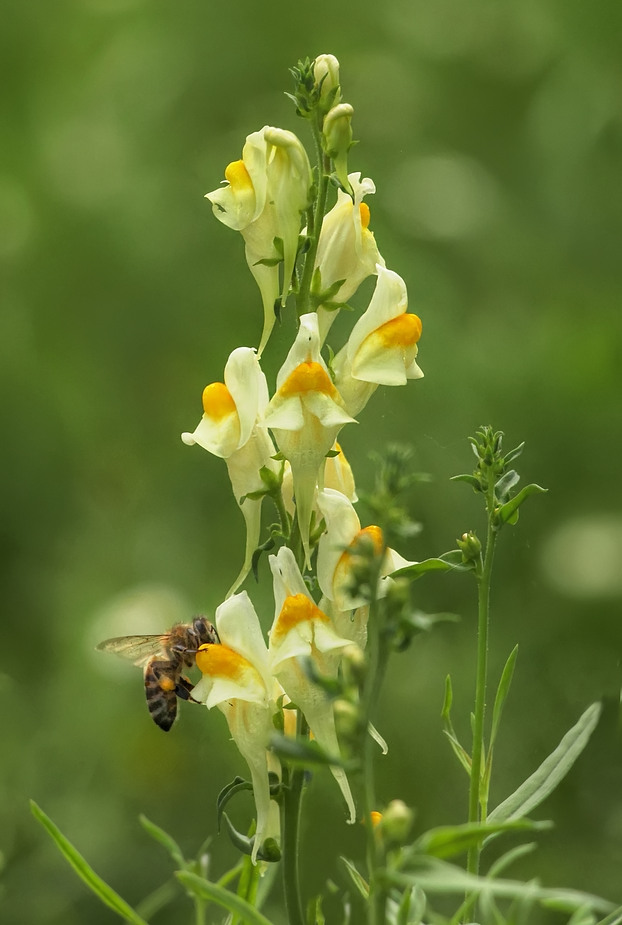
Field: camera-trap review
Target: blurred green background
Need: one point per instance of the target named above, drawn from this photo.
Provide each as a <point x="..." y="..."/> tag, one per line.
<point x="493" y="131"/>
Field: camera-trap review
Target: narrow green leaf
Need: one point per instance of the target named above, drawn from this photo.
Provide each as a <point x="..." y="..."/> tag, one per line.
<point x="514" y="854"/>
<point x="436" y="876"/>
<point x="552" y="770"/>
<point x="513" y="454"/>
<point x="506" y="483"/>
<point x="447" y="703"/>
<point x="449" y="561"/>
<point x="461" y="753"/>
<point x="582" y="916"/>
<point x="471" y="480"/>
<point x="447" y="841"/>
<point x="614" y="918"/>
<point x="86" y="873"/>
<point x="360" y="884"/>
<point x="502" y="692"/>
<point x="164" y="839"/>
<point x="507" y="511"/>
<point x="204" y="889"/>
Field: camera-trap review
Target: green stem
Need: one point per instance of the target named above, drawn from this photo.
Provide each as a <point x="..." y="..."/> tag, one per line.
<point x="378" y="658"/>
<point x="480" y="687"/>
<point x="304" y="295"/>
<point x="292" y="801"/>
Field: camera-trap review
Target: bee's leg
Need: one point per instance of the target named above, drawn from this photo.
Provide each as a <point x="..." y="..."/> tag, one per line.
<point x="183" y="688"/>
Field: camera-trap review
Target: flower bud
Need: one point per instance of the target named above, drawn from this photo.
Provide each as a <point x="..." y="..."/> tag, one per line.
<point x="396" y="822"/>
<point x="337" y="140"/>
<point x="326" y="73"/>
<point x="471" y="547"/>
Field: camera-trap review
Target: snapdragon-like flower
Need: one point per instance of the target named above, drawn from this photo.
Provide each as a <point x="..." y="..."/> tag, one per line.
<point x="338" y="556"/>
<point x="238" y="680"/>
<point x="382" y="347"/>
<point x="265" y="194"/>
<point x="337" y="474"/>
<point x="347" y="249"/>
<point x="232" y="428"/>
<point x="302" y="631"/>
<point x="305" y="415"/>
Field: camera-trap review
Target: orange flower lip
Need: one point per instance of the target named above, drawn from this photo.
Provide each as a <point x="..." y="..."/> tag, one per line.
<point x="308" y="377"/>
<point x="223" y="662"/>
<point x="403" y="331"/>
<point x="218" y="401"/>
<point x="238" y="176"/>
<point x="297" y="608"/>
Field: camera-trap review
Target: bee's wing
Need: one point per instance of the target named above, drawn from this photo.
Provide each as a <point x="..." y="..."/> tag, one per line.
<point x="137" y="649"/>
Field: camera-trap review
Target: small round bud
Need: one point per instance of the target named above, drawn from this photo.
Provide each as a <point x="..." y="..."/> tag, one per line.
<point x="471" y="547"/>
<point x="397" y="820"/>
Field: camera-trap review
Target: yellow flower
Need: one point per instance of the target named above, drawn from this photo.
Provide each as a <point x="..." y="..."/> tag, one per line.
<point x="302" y="631"/>
<point x="337" y="561"/>
<point x="305" y="415"/>
<point x="265" y="194"/>
<point x="347" y="249"/>
<point x="382" y="347"/>
<point x="237" y="679"/>
<point x="232" y="428"/>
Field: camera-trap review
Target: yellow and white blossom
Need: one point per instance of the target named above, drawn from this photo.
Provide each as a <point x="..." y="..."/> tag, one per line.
<point x="300" y="631"/>
<point x="337" y="559"/>
<point x="265" y="194"/>
<point x="337" y="474"/>
<point x="305" y="415"/>
<point x="382" y="347"/>
<point x="236" y="677"/>
<point x="232" y="428"/>
<point x="347" y="249"/>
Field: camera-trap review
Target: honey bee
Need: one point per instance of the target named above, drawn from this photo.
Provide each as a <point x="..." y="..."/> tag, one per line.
<point x="163" y="659"/>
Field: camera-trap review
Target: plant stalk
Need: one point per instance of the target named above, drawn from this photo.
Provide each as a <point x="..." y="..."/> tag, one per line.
<point x="292" y="801"/>
<point x="483" y="621"/>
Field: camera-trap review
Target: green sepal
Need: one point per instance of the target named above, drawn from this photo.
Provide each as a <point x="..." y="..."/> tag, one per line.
<point x="471" y="480"/>
<point x="449" y="840"/>
<point x="360" y="884"/>
<point x="84" y="870"/>
<point x="166" y="840"/>
<point x="302" y="753"/>
<point x="447" y="562"/>
<point x="213" y="892"/>
<point x="268" y="851"/>
<point x="508" y="512"/>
